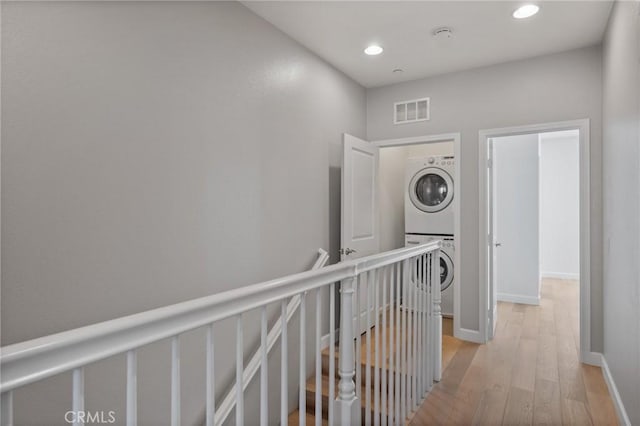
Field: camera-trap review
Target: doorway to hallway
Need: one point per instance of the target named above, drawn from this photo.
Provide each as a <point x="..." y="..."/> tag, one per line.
<point x="535" y="219"/>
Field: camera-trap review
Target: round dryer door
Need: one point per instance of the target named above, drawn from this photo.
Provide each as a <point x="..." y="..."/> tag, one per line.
<point x="431" y="190"/>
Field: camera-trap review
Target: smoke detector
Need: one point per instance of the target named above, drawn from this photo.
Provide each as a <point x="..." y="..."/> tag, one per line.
<point x="443" y="33"/>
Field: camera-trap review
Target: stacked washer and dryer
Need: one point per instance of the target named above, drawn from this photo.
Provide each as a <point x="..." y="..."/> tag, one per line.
<point x="429" y="214"/>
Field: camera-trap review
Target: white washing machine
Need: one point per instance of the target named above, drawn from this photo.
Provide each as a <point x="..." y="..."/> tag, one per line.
<point x="428" y="205"/>
<point x="447" y="266"/>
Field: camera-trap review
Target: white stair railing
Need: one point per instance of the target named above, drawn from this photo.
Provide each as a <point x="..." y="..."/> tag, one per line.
<point x="229" y="401"/>
<point x="401" y="379"/>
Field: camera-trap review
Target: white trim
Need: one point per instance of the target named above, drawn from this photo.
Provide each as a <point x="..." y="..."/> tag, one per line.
<point x="416" y="140"/>
<point x="593" y="358"/>
<point x="623" y="418"/>
<point x="516" y="298"/>
<point x="585" y="218"/>
<point x="476" y="336"/>
<point x="468" y="335"/>
<point x="560" y="275"/>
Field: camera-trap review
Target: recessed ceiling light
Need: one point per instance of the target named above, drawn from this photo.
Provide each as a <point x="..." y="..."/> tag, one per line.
<point x="526" y="11"/>
<point x="398" y="70"/>
<point x="373" y="50"/>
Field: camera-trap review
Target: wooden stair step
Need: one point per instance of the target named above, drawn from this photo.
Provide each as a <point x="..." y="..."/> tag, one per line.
<point x="294" y="419"/>
<point x="311" y="397"/>
<point x="385" y="367"/>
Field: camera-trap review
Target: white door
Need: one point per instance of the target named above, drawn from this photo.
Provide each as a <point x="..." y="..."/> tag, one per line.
<point x="493" y="245"/>
<point x="360" y="227"/>
<point x="515" y="218"/>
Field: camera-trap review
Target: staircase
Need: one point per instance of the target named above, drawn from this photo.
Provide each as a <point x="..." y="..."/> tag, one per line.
<point x="383" y="380"/>
<point x="366" y="391"/>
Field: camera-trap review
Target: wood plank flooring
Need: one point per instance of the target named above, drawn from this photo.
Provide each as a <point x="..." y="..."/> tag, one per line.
<point x="529" y="374"/>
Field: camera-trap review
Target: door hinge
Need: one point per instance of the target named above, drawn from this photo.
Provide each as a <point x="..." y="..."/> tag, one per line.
<point x="489" y="163"/>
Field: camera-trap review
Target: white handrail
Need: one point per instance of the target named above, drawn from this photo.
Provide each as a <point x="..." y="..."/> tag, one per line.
<point x="33" y="360"/>
<point x="229" y="402"/>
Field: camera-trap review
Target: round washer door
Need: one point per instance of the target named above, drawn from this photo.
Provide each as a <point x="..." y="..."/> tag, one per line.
<point x="431" y="190"/>
<point x="446" y="271"/>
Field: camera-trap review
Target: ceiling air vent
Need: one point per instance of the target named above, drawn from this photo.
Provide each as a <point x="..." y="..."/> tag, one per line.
<point x="411" y="111"/>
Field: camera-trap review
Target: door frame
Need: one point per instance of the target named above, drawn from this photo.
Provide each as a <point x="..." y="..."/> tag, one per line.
<point x="583" y="126"/>
<point x="458" y="331"/>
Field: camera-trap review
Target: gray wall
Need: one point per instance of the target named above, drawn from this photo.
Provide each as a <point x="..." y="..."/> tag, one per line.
<point x="550" y="88"/>
<point x="560" y="205"/>
<point x="152" y="153"/>
<point x="621" y="169"/>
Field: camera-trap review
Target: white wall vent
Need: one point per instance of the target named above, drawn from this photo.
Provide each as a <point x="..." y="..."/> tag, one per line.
<point x="411" y="111"/>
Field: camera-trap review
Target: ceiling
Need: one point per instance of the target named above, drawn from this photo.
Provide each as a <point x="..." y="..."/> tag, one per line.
<point x="484" y="33"/>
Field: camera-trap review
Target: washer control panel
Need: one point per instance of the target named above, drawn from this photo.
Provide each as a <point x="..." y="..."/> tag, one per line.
<point x="440" y="161"/>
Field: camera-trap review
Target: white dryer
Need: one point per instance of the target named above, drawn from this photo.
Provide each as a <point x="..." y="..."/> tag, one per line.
<point x="428" y="205"/>
<point x="447" y="267"/>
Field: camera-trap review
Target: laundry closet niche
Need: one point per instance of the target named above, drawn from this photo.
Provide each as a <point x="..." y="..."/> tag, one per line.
<point x="393" y="190"/>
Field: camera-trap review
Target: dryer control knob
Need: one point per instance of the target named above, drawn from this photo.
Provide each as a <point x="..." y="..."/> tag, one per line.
<point x="431" y="160"/>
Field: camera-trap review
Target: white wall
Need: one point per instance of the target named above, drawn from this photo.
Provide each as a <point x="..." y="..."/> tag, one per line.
<point x="621" y="167"/>
<point x="560" y="205"/>
<point x="392" y="187"/>
<point x="557" y="87"/>
<point x="154" y="152"/>
<point x="515" y="166"/>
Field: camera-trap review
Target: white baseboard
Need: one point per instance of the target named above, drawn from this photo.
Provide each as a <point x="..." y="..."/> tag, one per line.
<point x="623" y="418"/>
<point x="468" y="335"/>
<point x="591" y="358"/>
<point x="516" y="298"/>
<point x="560" y="275"/>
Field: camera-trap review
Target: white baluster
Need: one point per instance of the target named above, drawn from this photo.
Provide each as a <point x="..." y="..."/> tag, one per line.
<point x="6" y="409"/>
<point x="391" y="371"/>
<point x="430" y="348"/>
<point x="132" y="388"/>
<point x="421" y="282"/>
<point x="358" y="332"/>
<point x="284" y="381"/>
<point x="425" y="328"/>
<point x="239" y="369"/>
<point x="367" y="382"/>
<point x="411" y="337"/>
<point x="398" y="342"/>
<point x="175" y="381"/>
<point x="332" y="350"/>
<point x="264" y="371"/>
<point x="416" y="340"/>
<point x="318" y="413"/>
<point x="302" y="376"/>
<point x="405" y="371"/>
<point x="383" y="366"/>
<point x="347" y="404"/>
<point x="437" y="312"/>
<point x="210" y="404"/>
<point x="77" y="405"/>
<point x="376" y="381"/>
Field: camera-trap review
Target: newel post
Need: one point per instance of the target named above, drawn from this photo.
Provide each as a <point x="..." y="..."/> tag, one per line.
<point x="437" y="316"/>
<point x="347" y="404"/>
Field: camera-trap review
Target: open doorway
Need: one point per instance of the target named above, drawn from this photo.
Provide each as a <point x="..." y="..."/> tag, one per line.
<point x="418" y="183"/>
<point x="535" y="223"/>
<point x="536" y="216"/>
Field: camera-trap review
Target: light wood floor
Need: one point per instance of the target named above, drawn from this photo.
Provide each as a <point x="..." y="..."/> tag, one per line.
<point x="529" y="374"/>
